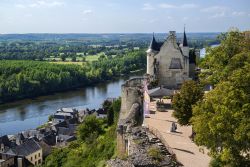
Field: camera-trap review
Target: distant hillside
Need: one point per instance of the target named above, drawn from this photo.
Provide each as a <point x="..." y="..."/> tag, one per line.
<point x="55" y="37"/>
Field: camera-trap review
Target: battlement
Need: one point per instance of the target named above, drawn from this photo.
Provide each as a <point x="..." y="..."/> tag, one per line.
<point x="134" y="82"/>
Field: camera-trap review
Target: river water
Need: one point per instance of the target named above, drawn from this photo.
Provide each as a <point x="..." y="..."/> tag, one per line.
<point x="30" y="113"/>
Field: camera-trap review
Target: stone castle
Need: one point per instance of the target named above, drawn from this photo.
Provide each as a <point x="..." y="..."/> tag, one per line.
<point x="169" y="62"/>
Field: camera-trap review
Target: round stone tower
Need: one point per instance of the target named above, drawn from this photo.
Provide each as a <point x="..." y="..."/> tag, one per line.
<point x="151" y="52"/>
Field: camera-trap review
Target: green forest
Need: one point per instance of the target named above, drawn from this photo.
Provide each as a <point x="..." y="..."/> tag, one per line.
<point x="221" y="117"/>
<point x="25" y="78"/>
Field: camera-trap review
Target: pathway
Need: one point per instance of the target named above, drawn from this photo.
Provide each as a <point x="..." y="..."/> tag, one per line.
<point x="187" y="153"/>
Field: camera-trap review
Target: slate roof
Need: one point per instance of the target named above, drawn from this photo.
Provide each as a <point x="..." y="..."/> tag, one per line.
<point x="175" y="63"/>
<point x="28" y="147"/>
<point x="160" y="92"/>
<point x="20" y="136"/>
<point x="185" y="43"/>
<point x="5" y="141"/>
<point x="65" y="131"/>
<point x="50" y="139"/>
<point x="154" y="45"/>
<point x="66" y="138"/>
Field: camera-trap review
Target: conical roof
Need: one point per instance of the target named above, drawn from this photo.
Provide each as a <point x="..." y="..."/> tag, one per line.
<point x="153" y="45"/>
<point x="185" y="43"/>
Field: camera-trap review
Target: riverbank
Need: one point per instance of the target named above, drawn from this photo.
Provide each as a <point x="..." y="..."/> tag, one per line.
<point x="75" y="87"/>
<point x="22" y="78"/>
<point x="30" y="113"/>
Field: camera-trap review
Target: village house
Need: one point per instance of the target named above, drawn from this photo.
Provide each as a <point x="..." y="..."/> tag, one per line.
<point x="64" y="114"/>
<point x="7" y="161"/>
<point x="5" y="143"/>
<point x="30" y="150"/>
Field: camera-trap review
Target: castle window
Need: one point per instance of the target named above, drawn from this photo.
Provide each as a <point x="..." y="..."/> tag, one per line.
<point x="175" y="63"/>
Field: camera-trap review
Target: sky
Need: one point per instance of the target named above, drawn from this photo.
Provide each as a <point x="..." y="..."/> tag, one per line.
<point x="122" y="16"/>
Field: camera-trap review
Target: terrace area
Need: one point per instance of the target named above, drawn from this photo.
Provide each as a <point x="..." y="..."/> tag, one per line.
<point x="186" y="151"/>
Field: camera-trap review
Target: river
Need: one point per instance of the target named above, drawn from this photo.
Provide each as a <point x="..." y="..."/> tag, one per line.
<point x="203" y="50"/>
<point x="30" y="113"/>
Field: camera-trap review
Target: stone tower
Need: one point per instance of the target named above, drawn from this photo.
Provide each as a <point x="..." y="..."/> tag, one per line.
<point x="151" y="52"/>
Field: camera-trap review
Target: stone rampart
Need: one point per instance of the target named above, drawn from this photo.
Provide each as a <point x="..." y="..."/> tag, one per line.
<point x="131" y="112"/>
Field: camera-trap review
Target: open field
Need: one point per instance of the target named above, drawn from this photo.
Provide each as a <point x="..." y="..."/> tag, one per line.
<point x="79" y="59"/>
<point x="68" y="62"/>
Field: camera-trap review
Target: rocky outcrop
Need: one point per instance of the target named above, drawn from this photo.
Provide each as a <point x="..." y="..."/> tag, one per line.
<point x="144" y="150"/>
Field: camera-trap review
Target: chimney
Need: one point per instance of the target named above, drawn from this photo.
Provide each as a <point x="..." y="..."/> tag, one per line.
<point x="19" y="162"/>
<point x="172" y="33"/>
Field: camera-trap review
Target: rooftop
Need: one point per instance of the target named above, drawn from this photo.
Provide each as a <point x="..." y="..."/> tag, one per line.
<point x="67" y="110"/>
<point x="28" y="147"/>
<point x="5" y="140"/>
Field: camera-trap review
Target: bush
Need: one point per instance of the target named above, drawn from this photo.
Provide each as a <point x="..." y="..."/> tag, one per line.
<point x="155" y="154"/>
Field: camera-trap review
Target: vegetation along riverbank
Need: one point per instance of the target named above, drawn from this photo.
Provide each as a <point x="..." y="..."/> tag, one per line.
<point x="25" y="79"/>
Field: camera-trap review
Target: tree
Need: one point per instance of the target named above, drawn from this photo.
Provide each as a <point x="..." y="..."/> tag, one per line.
<point x="110" y="116"/>
<point x="189" y="94"/>
<point x="83" y="59"/>
<point x="63" y="57"/>
<point x="222" y="120"/>
<point x="90" y="129"/>
<point x="232" y="43"/>
<point x="73" y="59"/>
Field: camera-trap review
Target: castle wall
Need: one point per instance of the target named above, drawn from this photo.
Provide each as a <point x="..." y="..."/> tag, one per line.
<point x="185" y="51"/>
<point x="130" y="113"/>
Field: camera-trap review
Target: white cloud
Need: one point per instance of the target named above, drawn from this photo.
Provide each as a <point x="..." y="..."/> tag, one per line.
<point x="20" y="6"/>
<point x="169" y="17"/>
<point x="214" y="9"/>
<point x="88" y="11"/>
<point x="185" y="18"/>
<point x="184" y="6"/>
<point x="147" y="6"/>
<point x="41" y="3"/>
<point x="166" y="6"/>
<point x="218" y="15"/>
<point x="188" y="6"/>
<point x="235" y="13"/>
<point x="152" y="20"/>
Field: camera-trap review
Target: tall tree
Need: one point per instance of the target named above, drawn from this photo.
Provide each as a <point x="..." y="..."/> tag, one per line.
<point x="189" y="94"/>
<point x="222" y="120"/>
